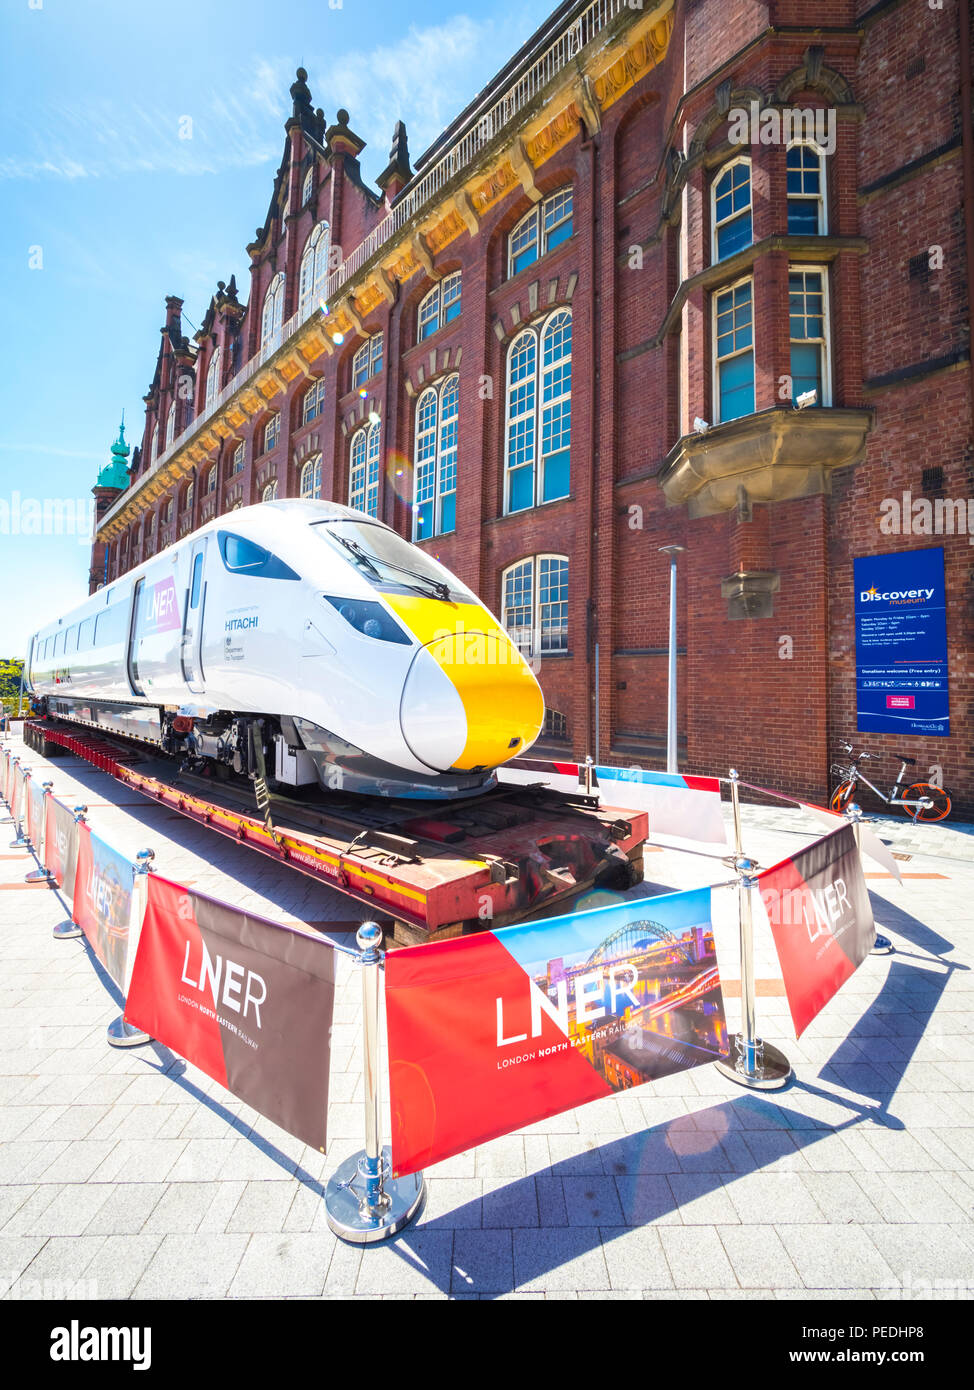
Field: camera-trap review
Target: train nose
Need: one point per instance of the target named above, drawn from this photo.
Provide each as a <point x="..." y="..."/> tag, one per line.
<point x="470" y="701"/>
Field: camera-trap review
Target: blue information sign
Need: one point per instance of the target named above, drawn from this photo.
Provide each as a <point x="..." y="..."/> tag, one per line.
<point x="901" y="643"/>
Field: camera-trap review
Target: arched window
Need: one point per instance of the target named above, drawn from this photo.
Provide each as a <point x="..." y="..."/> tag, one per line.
<point x="272" y="432"/>
<point x="153" y="445"/>
<point x="188" y="499"/>
<point x="806" y="190"/>
<point x="539" y="421"/>
<point x="210" y="481"/>
<point x="440" y="306"/>
<point x="546" y="226"/>
<point x="363" y="473"/>
<point x="367" y="361"/>
<point x="534" y="604"/>
<point x="308" y="187"/>
<point x="273" y="316"/>
<point x="435" y="503"/>
<point x="313" y="400"/>
<point x="212" y="379"/>
<point x="270" y="492"/>
<point x="311" y="477"/>
<point x="314" y="269"/>
<point x="167" y="512"/>
<point x="171" y="425"/>
<point x="237" y="461"/>
<point x="731" y="191"/>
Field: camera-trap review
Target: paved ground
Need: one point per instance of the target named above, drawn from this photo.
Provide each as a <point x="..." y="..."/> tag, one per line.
<point x="130" y="1174"/>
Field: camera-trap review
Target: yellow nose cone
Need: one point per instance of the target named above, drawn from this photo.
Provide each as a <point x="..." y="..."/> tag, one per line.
<point x="501" y="698"/>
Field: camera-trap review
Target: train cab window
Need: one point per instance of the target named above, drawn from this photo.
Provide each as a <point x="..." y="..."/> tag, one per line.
<point x="242" y="556"/>
<point x="194" y="597"/>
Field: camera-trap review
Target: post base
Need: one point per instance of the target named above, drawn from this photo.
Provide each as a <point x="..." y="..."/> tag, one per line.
<point x="882" y="946"/>
<point x="66" y="931"/>
<point x="21" y="842"/>
<point x="771" y="1068"/>
<point x="345" y="1193"/>
<point x="122" y="1034"/>
<point x="39" y="876"/>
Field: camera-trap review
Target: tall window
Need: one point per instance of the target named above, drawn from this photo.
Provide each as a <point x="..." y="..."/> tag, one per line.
<point x="188" y="499"/>
<point x="435" y="507"/>
<point x="732" y="209"/>
<point x="272" y="432"/>
<point x="153" y="444"/>
<point x="212" y="379"/>
<point x="367" y="361"/>
<point x="270" y="492"/>
<point x="273" y="316"/>
<point x="440" y="306"/>
<point x="534" y="604"/>
<point x="314" y="269"/>
<point x="238" y="459"/>
<point x="806" y="191"/>
<point x="210" y="481"/>
<point x="167" y="511"/>
<point x="171" y="425"/>
<point x="546" y="226"/>
<point x="539" y="414"/>
<point x="808" y="330"/>
<point x="311" y="477"/>
<point x="308" y="188"/>
<point x="734" y="351"/>
<point x="313" y="400"/>
<point x="363" y="473"/>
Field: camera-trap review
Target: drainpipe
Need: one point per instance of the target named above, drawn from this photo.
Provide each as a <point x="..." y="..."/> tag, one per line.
<point x="591" y="144"/>
<point x="964" y="26"/>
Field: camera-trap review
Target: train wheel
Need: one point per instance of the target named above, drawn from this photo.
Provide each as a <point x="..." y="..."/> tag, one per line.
<point x="941" y="801"/>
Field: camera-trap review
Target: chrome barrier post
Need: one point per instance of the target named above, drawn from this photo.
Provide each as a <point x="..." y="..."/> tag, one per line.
<point x="8" y="819"/>
<point x="363" y="1201"/>
<point x="41" y="874"/>
<point x="758" y="1065"/>
<point x="120" y="1033"/>
<point x="69" y="930"/>
<point x="21" y="840"/>
<point x="883" y="946"/>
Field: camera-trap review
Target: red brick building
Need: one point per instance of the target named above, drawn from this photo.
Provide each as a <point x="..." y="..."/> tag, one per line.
<point x="576" y="331"/>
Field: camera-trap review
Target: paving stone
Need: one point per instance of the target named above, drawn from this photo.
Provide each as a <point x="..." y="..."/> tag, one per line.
<point x="125" y="1207"/>
<point x="772" y="1198"/>
<point x="635" y="1259"/>
<point x="275" y="1265"/>
<point x="559" y="1260"/>
<point x="758" y="1258"/>
<point x="483" y="1262"/>
<point x="829" y="1258"/>
<point x="415" y="1262"/>
<point x="690" y="1249"/>
<point x="201" y="1265"/>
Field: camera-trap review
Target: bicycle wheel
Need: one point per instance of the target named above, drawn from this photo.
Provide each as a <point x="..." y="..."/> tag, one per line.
<point x="842" y="796"/>
<point x="941" y="801"/>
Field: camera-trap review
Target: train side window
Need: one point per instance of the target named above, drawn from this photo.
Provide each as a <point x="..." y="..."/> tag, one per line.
<point x="59" y="643"/>
<point x="71" y="639"/>
<point x="242" y="556"/>
<point x="194" y="597"/>
<point x="86" y="634"/>
<point x="110" y="626"/>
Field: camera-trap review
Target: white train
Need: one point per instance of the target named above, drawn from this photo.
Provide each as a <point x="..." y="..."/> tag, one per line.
<point x="297" y="642"/>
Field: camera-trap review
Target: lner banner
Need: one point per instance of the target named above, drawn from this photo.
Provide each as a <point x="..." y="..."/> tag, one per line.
<point x="901" y="643"/>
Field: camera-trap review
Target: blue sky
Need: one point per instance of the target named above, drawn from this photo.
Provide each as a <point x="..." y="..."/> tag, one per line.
<point x="107" y="210"/>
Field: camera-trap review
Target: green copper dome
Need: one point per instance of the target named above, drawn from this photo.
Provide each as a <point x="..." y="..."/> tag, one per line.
<point x="115" y="474"/>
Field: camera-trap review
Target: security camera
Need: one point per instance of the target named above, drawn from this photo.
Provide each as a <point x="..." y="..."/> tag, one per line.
<point x="701" y="426"/>
<point x="806" y="398"/>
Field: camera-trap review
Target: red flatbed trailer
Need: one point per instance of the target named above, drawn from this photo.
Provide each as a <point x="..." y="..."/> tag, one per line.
<point x="437" y="869"/>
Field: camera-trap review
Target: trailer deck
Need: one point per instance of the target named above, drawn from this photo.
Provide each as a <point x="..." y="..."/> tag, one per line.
<point x="438" y="869"/>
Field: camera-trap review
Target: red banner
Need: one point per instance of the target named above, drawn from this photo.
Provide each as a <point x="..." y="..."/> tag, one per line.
<point x="818" y="906"/>
<point x="491" y="1032"/>
<point x="247" y="1001"/>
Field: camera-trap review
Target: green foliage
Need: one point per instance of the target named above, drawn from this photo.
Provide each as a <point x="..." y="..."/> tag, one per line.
<point x="10" y="674"/>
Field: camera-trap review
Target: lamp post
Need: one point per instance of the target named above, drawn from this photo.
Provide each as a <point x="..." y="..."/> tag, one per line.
<point x="672" y="551"/>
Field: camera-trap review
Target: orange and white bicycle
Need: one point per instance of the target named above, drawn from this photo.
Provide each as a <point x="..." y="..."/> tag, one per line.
<point x="921" y="800"/>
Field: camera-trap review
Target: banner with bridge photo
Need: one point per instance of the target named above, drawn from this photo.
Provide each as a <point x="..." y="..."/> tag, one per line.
<point x="247" y="1001"/>
<point x="102" y="901"/>
<point x="491" y="1032"/>
<point x="35" y="812"/>
<point x="684" y="808"/>
<point x="818" y="907"/>
<point x="61" y="845"/>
